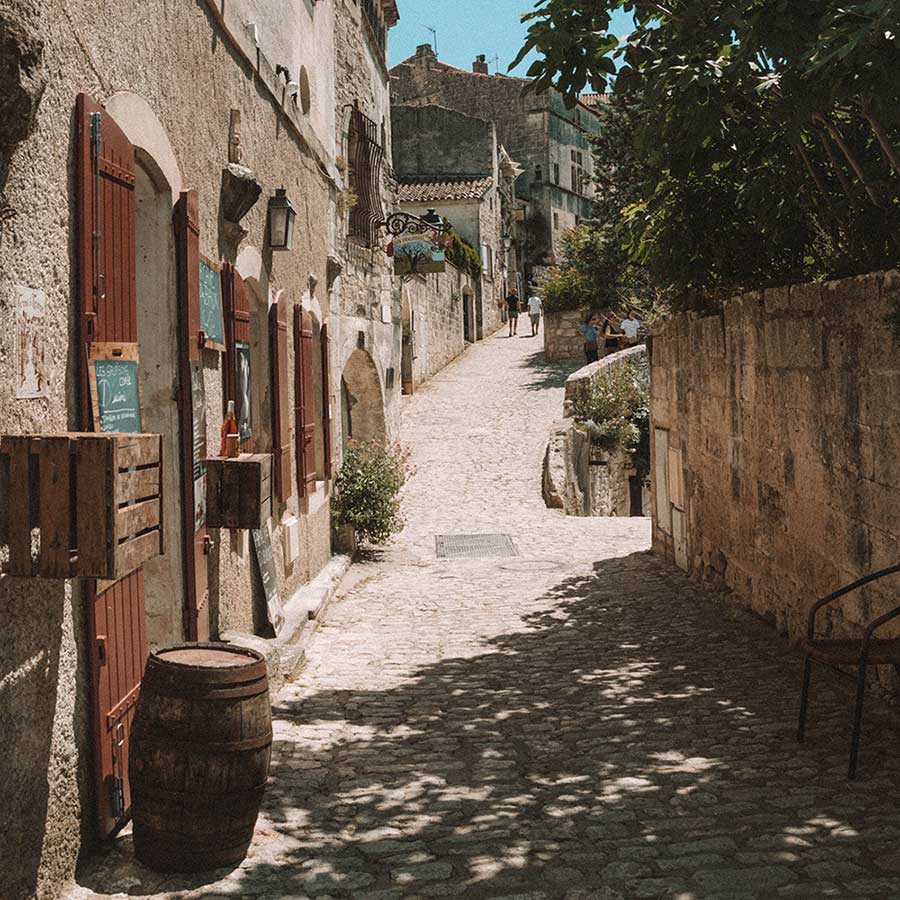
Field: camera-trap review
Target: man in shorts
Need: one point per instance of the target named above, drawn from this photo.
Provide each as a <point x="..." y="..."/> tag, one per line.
<point x="535" y="308"/>
<point x="512" y="310"/>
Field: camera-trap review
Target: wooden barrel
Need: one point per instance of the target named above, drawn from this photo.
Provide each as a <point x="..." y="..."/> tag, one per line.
<point x="199" y="756"/>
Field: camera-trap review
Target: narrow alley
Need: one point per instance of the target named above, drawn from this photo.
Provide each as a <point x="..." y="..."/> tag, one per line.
<point x="575" y="721"/>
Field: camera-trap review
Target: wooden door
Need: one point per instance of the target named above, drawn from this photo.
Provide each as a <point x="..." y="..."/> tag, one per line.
<point x="192" y="417"/>
<point x="108" y="312"/>
<point x="304" y="402"/>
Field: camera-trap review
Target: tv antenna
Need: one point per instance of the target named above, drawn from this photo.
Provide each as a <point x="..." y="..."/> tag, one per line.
<point x="496" y="62"/>
<point x="433" y="37"/>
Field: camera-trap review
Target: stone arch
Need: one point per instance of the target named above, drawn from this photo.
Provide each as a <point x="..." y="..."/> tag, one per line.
<point x="137" y="118"/>
<point x="362" y="400"/>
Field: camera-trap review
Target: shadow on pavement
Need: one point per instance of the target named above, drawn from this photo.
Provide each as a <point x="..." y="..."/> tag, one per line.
<point x="636" y="739"/>
<point x="547" y="375"/>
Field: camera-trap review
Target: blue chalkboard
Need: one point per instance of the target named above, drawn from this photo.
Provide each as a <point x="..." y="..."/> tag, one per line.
<point x="117" y="395"/>
<point x="212" y="321"/>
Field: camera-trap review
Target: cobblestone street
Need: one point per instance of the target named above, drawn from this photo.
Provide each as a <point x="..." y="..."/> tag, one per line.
<point x="579" y="721"/>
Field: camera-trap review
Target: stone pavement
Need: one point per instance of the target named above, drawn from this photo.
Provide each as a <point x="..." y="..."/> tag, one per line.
<point x="577" y="722"/>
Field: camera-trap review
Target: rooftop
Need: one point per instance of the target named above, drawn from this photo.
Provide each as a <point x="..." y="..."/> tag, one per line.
<point x="442" y="188"/>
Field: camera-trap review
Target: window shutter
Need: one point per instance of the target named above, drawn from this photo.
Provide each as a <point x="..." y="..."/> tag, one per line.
<point x="326" y="401"/>
<point x="304" y="402"/>
<point x="278" y="335"/>
<point x="237" y="330"/>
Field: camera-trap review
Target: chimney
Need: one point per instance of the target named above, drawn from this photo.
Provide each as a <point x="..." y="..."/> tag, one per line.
<point x="425" y="56"/>
<point x="480" y="65"/>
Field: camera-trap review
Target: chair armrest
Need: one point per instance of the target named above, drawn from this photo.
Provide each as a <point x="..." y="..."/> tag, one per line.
<point x="824" y="601"/>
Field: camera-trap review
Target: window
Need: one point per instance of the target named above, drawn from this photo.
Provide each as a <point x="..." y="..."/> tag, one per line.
<point x="555" y="221"/>
<point x="572" y="155"/>
<point x="578" y="158"/>
<point x="365" y="155"/>
<point x="538" y="173"/>
<point x="575" y="179"/>
<point x="556" y="173"/>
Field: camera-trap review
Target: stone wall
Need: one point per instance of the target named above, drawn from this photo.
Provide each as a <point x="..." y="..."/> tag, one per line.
<point x="562" y="340"/>
<point x="434" y="303"/>
<point x="776" y="428"/>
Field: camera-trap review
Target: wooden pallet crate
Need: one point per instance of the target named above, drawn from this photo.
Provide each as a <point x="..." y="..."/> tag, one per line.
<point x="239" y="491"/>
<point x="80" y="505"/>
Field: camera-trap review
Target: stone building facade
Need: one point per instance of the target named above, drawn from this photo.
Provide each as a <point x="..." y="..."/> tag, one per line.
<point x="452" y="162"/>
<point x="364" y="296"/>
<point x="214" y="109"/>
<point x="435" y="310"/>
<point x="775" y="432"/>
<point x="549" y="142"/>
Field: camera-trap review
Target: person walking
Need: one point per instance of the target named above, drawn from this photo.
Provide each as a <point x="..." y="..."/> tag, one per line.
<point x="535" y="308"/>
<point x="590" y="331"/>
<point x="512" y="312"/>
<point x="631" y="326"/>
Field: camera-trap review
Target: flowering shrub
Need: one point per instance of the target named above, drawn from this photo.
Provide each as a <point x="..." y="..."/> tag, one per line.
<point x="614" y="407"/>
<point x="367" y="490"/>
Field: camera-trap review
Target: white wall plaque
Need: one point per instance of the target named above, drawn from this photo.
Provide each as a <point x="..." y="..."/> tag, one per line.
<point x="31" y="344"/>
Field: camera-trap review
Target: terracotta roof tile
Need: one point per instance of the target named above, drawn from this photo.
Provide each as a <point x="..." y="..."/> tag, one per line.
<point x="434" y="190"/>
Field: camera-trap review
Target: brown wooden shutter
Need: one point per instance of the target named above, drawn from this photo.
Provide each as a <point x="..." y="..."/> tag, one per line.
<point x="326" y="401"/>
<point x="304" y="402"/>
<point x="237" y="329"/>
<point x="107" y="299"/>
<point x="278" y="335"/>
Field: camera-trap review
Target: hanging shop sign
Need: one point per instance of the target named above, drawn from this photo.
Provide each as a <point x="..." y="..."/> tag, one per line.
<point x="115" y="387"/>
<point x="418" y="255"/>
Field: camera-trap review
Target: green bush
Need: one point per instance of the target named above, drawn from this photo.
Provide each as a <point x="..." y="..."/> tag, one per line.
<point x="464" y="256"/>
<point x="614" y="407"/>
<point x="367" y="488"/>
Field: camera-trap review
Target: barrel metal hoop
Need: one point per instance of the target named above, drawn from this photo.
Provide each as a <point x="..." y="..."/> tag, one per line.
<point x="197" y="691"/>
<point x="155" y="792"/>
<point x="167" y="740"/>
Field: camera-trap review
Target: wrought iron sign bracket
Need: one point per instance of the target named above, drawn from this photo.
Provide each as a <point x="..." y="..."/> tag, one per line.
<point x="406" y="223"/>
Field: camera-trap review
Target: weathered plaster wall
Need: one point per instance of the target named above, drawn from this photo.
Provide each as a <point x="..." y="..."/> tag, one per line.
<point x="562" y="340"/>
<point x="775" y="449"/>
<point x="104" y="48"/>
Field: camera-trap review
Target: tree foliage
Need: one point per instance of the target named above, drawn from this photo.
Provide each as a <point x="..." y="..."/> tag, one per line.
<point x="769" y="131"/>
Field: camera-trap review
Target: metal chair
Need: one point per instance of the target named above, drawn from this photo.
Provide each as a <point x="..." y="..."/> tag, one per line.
<point x="861" y="652"/>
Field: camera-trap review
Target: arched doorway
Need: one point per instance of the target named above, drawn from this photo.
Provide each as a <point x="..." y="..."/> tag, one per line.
<point x="362" y="403"/>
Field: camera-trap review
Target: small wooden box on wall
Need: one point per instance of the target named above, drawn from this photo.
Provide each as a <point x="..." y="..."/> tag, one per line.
<point x="239" y="491"/>
<point x="92" y="504"/>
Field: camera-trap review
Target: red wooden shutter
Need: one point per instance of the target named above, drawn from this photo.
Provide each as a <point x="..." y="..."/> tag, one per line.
<point x="304" y="402"/>
<point x="278" y="328"/>
<point x="107" y="296"/>
<point x="190" y="367"/>
<point x="237" y="329"/>
<point x="326" y="401"/>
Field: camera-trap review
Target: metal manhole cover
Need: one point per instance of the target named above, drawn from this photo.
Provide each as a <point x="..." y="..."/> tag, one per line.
<point x="474" y="546"/>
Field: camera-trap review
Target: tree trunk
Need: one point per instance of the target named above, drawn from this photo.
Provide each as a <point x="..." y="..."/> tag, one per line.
<point x="838" y="138"/>
<point x="890" y="151"/>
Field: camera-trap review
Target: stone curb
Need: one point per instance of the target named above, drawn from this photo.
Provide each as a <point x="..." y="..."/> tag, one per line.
<point x="286" y="653"/>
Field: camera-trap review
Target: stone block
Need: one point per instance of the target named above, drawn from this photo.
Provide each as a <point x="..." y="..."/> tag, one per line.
<point x="793" y="343"/>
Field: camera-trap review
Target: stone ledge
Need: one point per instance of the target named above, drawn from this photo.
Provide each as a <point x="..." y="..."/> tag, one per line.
<point x="578" y="379"/>
<point x="286" y="653"/>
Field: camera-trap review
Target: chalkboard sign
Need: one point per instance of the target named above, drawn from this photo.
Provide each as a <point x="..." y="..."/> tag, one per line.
<point x="212" y="322"/>
<point x="115" y="387"/>
<point x="262" y="544"/>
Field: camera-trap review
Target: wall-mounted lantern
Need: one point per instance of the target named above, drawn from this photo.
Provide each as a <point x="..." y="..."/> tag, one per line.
<point x="506" y="242"/>
<point x="281" y="221"/>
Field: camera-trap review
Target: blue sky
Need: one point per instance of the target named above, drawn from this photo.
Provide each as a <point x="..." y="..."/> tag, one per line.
<point x="466" y="28"/>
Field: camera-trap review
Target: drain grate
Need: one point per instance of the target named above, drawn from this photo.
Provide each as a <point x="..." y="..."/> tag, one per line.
<point x="474" y="546"/>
